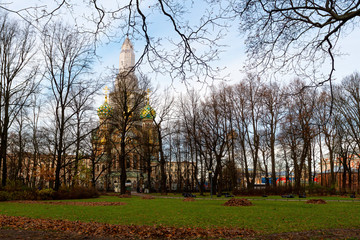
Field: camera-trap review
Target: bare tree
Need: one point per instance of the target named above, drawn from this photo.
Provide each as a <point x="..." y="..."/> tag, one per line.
<point x="214" y="136"/>
<point x="327" y="128"/>
<point x="17" y="79"/>
<point x="273" y="100"/>
<point x="127" y="99"/>
<point x="82" y="101"/>
<point x="68" y="56"/>
<point x="298" y="129"/>
<point x="164" y="105"/>
<point x="35" y="139"/>
<point x="19" y="169"/>
<point x="182" y="58"/>
<point x="347" y="105"/>
<point x="190" y="114"/>
<point x="297" y="35"/>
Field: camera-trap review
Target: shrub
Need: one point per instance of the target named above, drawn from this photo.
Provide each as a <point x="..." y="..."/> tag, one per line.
<point x="75" y="193"/>
<point x="15" y="186"/>
<point x="30" y="194"/>
<point x="23" y="195"/>
<point x="5" y="196"/>
<point x="317" y="189"/>
<point x="18" y="195"/>
<point x="46" y="194"/>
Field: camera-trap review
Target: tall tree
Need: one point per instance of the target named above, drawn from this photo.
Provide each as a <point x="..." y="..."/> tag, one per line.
<point x="273" y="100"/>
<point x="127" y="100"/>
<point x="298" y="127"/>
<point x="190" y="114"/>
<point x="17" y="77"/>
<point x="165" y="105"/>
<point x="82" y="101"/>
<point x="68" y="56"/>
<point x="327" y="129"/>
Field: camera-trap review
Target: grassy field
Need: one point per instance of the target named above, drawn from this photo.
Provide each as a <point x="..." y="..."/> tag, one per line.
<point x="264" y="216"/>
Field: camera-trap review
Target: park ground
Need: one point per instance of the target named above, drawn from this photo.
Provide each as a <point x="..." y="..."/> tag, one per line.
<point x="111" y="217"/>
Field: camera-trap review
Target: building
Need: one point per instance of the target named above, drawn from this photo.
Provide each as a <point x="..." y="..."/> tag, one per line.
<point x="126" y="130"/>
<point x="179" y="176"/>
<point x="350" y="177"/>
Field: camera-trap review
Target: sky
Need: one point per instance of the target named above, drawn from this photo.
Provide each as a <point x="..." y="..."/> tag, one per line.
<point x="232" y="59"/>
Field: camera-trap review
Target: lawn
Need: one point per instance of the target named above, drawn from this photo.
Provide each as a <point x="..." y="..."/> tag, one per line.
<point x="264" y="216"/>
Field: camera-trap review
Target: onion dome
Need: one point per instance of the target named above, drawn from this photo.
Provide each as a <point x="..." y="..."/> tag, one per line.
<point x="105" y="110"/>
<point x="147" y="112"/>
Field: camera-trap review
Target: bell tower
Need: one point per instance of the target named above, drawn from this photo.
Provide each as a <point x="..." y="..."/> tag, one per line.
<point x="127" y="56"/>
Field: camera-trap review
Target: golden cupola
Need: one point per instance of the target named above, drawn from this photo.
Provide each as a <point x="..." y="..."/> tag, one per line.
<point x="147" y="112"/>
<point x="105" y="110"/>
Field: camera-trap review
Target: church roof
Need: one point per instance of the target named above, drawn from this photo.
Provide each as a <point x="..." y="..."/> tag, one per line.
<point x="105" y="110"/>
<point x="147" y="112"/>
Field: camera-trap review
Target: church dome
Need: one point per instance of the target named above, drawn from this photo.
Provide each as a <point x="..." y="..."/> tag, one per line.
<point x="105" y="110"/>
<point x="147" y="112"/>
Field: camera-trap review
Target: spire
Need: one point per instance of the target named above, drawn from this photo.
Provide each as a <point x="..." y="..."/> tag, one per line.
<point x="106" y="89"/>
<point x="147" y="96"/>
<point x="127" y="56"/>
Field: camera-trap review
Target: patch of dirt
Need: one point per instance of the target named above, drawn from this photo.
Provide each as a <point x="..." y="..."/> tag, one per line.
<point x="108" y="231"/>
<point x="316" y="201"/>
<point x="147" y="197"/>
<point x="74" y="203"/>
<point x="124" y="196"/>
<point x="189" y="199"/>
<point x="235" y="202"/>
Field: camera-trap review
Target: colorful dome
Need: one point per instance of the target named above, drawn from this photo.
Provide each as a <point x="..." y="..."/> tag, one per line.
<point x="105" y="110"/>
<point x="147" y="112"/>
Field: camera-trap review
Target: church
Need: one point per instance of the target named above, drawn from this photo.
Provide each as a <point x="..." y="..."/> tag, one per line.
<point x="125" y="143"/>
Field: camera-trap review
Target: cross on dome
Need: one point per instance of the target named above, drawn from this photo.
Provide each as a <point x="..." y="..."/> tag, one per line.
<point x="106" y="90"/>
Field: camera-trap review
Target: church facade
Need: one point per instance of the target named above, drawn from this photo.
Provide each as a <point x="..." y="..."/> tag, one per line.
<point x="125" y="142"/>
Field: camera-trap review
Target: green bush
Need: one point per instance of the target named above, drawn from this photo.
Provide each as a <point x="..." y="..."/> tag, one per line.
<point x="18" y="195"/>
<point x="45" y="194"/>
<point x="23" y="195"/>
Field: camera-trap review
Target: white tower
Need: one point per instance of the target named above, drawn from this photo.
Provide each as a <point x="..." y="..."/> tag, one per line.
<point x="127" y="56"/>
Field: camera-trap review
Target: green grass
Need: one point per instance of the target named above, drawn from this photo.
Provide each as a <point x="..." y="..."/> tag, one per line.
<point x="264" y="216"/>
